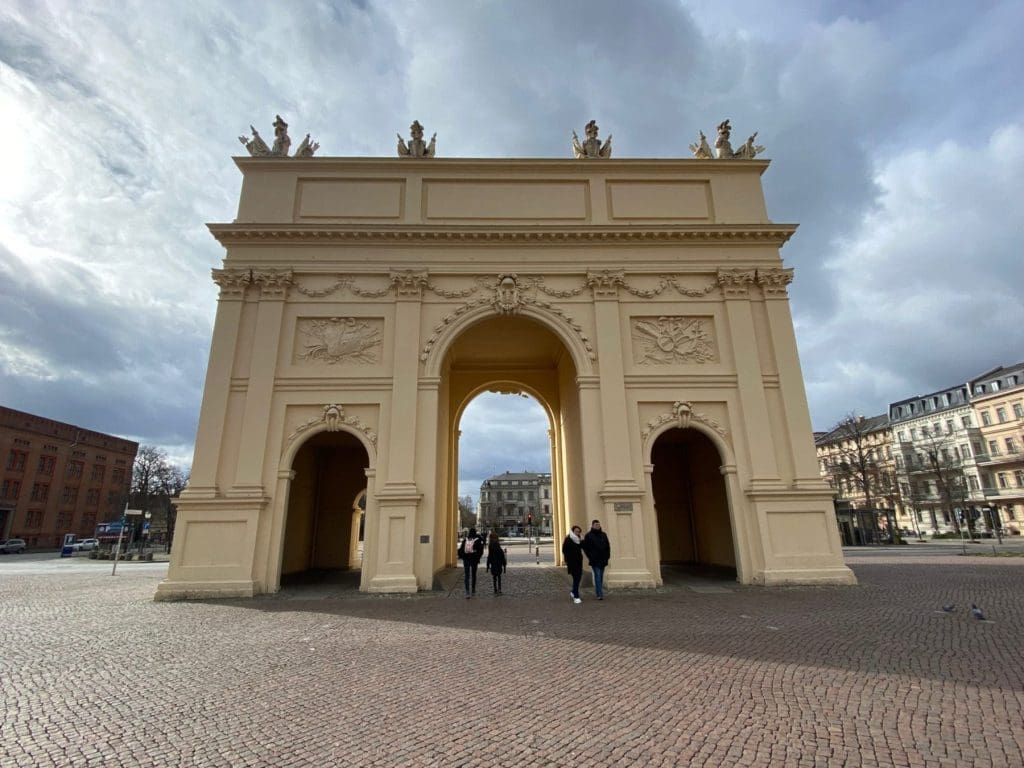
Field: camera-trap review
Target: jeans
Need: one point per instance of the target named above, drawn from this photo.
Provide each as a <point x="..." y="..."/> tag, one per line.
<point x="576" y="584"/>
<point x="598" y="579"/>
<point x="496" y="580"/>
<point x="470" y="568"/>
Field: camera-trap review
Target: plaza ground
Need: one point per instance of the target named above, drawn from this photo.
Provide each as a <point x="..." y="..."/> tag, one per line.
<point x="701" y="672"/>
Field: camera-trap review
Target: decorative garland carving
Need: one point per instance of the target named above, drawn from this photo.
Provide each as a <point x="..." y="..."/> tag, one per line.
<point x="668" y="340"/>
<point x="683" y="414"/>
<point x="340" y="339"/>
<point x="232" y="282"/>
<point x="333" y="417"/>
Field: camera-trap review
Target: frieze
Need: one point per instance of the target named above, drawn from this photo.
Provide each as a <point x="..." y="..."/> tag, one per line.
<point x="683" y="415"/>
<point x="332" y="419"/>
<point x="337" y="340"/>
<point x="672" y="340"/>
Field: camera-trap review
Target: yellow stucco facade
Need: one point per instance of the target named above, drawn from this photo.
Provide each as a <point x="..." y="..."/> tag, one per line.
<point x="365" y="302"/>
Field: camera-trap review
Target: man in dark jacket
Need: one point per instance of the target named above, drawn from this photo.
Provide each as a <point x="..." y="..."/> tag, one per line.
<point x="598" y="551"/>
<point x="470" y="550"/>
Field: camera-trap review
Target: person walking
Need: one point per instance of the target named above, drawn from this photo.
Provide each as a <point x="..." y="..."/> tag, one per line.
<point x="496" y="561"/>
<point x="471" y="549"/>
<point x="572" y="553"/>
<point x="598" y="551"/>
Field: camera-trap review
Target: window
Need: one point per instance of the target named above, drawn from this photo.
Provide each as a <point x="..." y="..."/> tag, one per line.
<point x="956" y="453"/>
<point x="1019" y="477"/>
<point x="936" y="429"/>
<point x="74" y="469"/>
<point x="97" y="473"/>
<point x="64" y="521"/>
<point x="39" y="492"/>
<point x="46" y="465"/>
<point x="531" y="495"/>
<point x="946" y="398"/>
<point x="901" y="436"/>
<point x="966" y="451"/>
<point x="546" y="492"/>
<point x="913" y="433"/>
<point x="965" y="421"/>
<point x="16" y="460"/>
<point x="117" y="477"/>
<point x="34" y="518"/>
<point x="949" y="426"/>
<point x="89" y="521"/>
<point x="92" y="498"/>
<point x="993" y="448"/>
<point x="69" y="495"/>
<point x="1003" y="480"/>
<point x="1011" y="445"/>
<point x="986" y="419"/>
<point x="995" y="386"/>
<point x="972" y="481"/>
<point x="1018" y="410"/>
<point x="11" y="489"/>
<point x="1001" y="415"/>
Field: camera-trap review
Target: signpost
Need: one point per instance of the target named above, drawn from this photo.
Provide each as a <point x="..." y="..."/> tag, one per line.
<point x="120" y="535"/>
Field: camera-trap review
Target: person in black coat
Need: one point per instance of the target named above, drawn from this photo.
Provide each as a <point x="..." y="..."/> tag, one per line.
<point x="599" y="551"/>
<point x="471" y="549"/>
<point x="496" y="561"/>
<point x="572" y="553"/>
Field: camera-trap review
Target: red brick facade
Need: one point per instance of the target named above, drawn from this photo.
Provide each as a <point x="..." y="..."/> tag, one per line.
<point x="56" y="478"/>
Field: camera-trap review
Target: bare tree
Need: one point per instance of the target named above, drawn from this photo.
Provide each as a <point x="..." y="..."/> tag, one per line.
<point x="857" y="463"/>
<point x="941" y="462"/>
<point x="155" y="484"/>
<point x="467" y="518"/>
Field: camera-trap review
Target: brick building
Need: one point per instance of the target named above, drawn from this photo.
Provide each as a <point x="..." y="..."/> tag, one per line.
<point x="507" y="500"/>
<point x="57" y="478"/>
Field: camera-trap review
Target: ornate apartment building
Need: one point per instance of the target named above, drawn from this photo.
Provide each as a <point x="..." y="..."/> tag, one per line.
<point x="998" y="400"/>
<point x="58" y="478"/>
<point x="513" y="500"/>
<point x="933" y="463"/>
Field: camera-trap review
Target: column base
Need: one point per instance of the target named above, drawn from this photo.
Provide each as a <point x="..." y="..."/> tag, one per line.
<point x="392" y="584"/>
<point x="840" y="575"/>
<point x="203" y="590"/>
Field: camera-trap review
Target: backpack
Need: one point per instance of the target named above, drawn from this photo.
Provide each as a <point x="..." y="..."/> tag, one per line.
<point x="467" y="547"/>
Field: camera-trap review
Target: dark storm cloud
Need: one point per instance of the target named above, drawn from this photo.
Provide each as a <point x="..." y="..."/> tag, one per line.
<point x="894" y="131"/>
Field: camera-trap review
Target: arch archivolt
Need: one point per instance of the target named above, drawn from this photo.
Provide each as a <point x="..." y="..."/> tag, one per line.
<point x="567" y="330"/>
<point x="683" y="416"/>
<point x="331" y="419"/>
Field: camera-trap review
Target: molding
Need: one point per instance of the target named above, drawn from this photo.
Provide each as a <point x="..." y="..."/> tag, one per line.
<point x="274" y="234"/>
<point x="689" y="380"/>
<point x="333" y="418"/>
<point x="683" y="414"/>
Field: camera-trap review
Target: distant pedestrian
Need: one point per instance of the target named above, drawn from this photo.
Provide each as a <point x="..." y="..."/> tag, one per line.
<point x="496" y="561"/>
<point x="470" y="550"/>
<point x="598" y="551"/>
<point x="572" y="553"/>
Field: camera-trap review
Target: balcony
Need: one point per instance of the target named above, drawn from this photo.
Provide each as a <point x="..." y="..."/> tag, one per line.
<point x="1016" y="491"/>
<point x="992" y="459"/>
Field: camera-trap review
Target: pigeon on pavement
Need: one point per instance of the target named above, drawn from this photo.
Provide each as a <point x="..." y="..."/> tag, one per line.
<point x="949" y="608"/>
<point x="976" y="612"/>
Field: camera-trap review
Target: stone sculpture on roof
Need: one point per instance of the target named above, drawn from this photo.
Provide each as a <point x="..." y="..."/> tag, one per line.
<point x="723" y="147"/>
<point x="591" y="146"/>
<point x="257" y="147"/>
<point x="416" y="147"/>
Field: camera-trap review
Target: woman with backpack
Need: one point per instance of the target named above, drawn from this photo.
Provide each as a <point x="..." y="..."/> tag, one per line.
<point x="496" y="561"/>
<point x="470" y="550"/>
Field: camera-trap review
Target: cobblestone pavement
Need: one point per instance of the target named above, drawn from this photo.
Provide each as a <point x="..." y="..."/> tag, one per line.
<point x="701" y="672"/>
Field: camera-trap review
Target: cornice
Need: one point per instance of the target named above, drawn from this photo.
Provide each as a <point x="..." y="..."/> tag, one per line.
<point x="274" y="234"/>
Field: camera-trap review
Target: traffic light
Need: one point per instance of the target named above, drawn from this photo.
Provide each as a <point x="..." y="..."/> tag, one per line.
<point x="529" y="519"/>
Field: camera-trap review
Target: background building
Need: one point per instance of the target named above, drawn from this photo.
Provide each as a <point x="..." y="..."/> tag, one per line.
<point x="997" y="399"/>
<point x="58" y="478"/>
<point x="507" y="500"/>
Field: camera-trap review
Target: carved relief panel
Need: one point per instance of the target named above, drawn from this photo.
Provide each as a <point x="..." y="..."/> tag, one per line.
<point x="337" y="340"/>
<point x="673" y="340"/>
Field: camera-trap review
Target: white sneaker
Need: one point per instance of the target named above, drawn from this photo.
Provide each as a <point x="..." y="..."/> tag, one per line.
<point x="577" y="600"/>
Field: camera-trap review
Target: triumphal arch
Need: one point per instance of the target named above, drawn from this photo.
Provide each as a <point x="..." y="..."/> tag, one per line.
<point x="365" y="301"/>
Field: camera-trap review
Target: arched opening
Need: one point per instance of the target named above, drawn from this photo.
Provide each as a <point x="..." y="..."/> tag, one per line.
<point x="691" y="504"/>
<point x="323" y="521"/>
<point x="511" y="355"/>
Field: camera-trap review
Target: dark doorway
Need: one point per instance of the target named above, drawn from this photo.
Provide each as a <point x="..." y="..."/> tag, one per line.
<point x="692" y="506"/>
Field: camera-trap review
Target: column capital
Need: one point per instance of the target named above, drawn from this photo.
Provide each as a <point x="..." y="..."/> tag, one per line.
<point x="273" y="283"/>
<point x="232" y="282"/>
<point x="605" y="284"/>
<point x="409" y="283"/>
<point x="773" y="282"/>
<point x="735" y="283"/>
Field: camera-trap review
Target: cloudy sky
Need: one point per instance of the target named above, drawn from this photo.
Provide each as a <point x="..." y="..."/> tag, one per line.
<point x="896" y="132"/>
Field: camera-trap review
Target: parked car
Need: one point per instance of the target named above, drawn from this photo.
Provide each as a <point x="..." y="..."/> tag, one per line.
<point x="13" y="546"/>
<point x="85" y="545"/>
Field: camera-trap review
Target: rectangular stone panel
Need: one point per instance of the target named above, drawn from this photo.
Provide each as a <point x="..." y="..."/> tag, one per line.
<point x="504" y="200"/>
<point x="667" y="200"/>
<point x="318" y="199"/>
<point x="673" y="340"/>
<point x="337" y="341"/>
<point x="217" y="543"/>
<point x="797" y="533"/>
<point x="395" y="537"/>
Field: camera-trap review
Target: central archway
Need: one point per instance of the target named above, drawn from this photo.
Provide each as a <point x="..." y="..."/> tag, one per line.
<point x="512" y="354"/>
